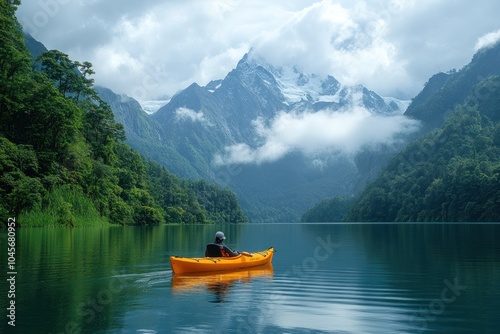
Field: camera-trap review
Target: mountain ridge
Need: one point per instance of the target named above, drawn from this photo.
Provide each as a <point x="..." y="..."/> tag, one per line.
<point x="454" y="87"/>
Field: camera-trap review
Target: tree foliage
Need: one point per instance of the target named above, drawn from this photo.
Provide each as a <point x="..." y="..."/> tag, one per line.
<point x="221" y="204"/>
<point x="62" y="152"/>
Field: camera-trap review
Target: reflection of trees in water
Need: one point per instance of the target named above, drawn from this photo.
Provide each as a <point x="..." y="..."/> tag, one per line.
<point x="83" y="273"/>
<point x="427" y="255"/>
<point x="428" y="245"/>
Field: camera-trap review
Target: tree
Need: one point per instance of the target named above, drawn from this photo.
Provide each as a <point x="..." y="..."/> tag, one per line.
<point x="62" y="71"/>
<point x="100" y="128"/>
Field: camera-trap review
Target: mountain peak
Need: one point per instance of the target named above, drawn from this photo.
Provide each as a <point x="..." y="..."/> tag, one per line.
<point x="245" y="59"/>
<point x="298" y="89"/>
<point x="283" y="126"/>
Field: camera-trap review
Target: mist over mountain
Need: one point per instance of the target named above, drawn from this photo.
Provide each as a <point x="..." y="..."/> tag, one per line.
<point x="280" y="138"/>
<point x="260" y="113"/>
<point x="146" y="135"/>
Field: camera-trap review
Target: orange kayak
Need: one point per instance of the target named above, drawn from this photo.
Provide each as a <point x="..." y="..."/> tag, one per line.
<point x="183" y="265"/>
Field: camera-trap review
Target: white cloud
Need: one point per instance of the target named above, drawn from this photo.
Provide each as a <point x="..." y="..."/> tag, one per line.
<point x="488" y="40"/>
<point x="189" y="114"/>
<point x="315" y="134"/>
<point x="154" y="48"/>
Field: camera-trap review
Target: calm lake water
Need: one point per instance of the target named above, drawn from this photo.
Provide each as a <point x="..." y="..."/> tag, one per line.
<point x="326" y="278"/>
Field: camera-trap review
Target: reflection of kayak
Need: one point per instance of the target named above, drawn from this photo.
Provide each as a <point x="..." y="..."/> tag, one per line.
<point x="218" y="281"/>
<point x="182" y="265"/>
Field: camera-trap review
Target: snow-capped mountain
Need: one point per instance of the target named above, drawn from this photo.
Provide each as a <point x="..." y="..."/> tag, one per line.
<point x="271" y="133"/>
<point x="227" y="131"/>
<point x="302" y="90"/>
<point x="256" y="89"/>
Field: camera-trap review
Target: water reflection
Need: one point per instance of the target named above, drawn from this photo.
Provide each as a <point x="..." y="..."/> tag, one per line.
<point x="219" y="284"/>
<point x="397" y="278"/>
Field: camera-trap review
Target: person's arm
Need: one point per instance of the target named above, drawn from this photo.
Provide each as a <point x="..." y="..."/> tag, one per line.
<point x="229" y="251"/>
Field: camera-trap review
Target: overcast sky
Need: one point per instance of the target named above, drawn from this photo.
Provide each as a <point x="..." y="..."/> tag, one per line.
<point x="153" y="48"/>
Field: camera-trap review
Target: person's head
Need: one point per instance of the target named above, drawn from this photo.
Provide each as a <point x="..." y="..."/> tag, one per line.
<point x="219" y="237"/>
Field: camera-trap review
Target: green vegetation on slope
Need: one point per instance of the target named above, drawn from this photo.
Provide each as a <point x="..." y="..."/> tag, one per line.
<point x="452" y="174"/>
<point x="62" y="156"/>
<point x="444" y="91"/>
<point x="328" y="210"/>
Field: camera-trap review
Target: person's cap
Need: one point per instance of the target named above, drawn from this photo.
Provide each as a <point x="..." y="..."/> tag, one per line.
<point x="220" y="235"/>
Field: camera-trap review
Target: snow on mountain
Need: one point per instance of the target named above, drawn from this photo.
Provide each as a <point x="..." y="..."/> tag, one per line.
<point x="304" y="91"/>
<point x="297" y="86"/>
<point x="213" y="85"/>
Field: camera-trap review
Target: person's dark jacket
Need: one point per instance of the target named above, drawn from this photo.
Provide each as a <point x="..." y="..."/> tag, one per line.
<point x="224" y="251"/>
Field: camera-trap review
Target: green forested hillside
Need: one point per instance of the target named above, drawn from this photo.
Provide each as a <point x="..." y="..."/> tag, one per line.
<point x="444" y="91"/>
<point x="451" y="174"/>
<point x="328" y="210"/>
<point x="62" y="156"/>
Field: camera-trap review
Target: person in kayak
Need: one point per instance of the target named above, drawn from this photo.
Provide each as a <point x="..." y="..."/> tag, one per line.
<point x="218" y="248"/>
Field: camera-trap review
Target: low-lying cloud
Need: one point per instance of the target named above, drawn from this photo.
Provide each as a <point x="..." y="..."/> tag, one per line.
<point x="316" y="134"/>
<point x="191" y="115"/>
<point x="488" y="40"/>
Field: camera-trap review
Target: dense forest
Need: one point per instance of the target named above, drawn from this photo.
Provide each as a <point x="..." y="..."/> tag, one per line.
<point x="451" y="174"/>
<point x="62" y="156"/>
